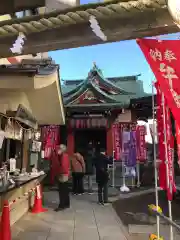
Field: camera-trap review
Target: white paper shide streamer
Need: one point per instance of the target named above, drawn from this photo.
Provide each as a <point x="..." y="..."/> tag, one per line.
<point x="18" y="44"/>
<point x="96" y="28"/>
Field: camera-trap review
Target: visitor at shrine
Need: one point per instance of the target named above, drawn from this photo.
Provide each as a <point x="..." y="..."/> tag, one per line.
<point x="101" y="162"/>
<point x="62" y="176"/>
<point x="89" y="161"/>
<point x="78" y="172"/>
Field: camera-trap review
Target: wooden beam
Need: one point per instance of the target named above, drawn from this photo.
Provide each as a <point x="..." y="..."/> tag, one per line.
<point x="12" y="6"/>
<point x="143" y="24"/>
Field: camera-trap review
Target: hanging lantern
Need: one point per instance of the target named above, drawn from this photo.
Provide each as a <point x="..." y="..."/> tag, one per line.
<point x="174" y="9"/>
<point x="88" y="123"/>
<point x="95" y="122"/>
<point x="82" y="123"/>
<point x="92" y="122"/>
<point x="72" y="123"/>
<point x="77" y="123"/>
<point x="99" y="123"/>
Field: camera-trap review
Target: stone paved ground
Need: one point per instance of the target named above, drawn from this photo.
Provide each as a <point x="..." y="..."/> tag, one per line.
<point x="85" y="220"/>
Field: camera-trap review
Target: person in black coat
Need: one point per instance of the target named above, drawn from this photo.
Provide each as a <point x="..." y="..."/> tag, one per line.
<point x="101" y="162"/>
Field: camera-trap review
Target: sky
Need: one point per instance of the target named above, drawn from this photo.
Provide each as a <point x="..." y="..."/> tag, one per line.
<point x="122" y="58"/>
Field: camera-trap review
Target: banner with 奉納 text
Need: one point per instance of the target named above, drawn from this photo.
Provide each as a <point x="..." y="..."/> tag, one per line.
<point x="161" y="145"/>
<point x="129" y="148"/>
<point x="50" y="140"/>
<point x="125" y="145"/>
<point x="141" y="148"/>
<point x="118" y="129"/>
<point x="163" y="57"/>
<point x="132" y="151"/>
<point x="178" y="142"/>
<point x="165" y="143"/>
<point x="117" y="142"/>
<point x="171" y="188"/>
<point x="131" y="159"/>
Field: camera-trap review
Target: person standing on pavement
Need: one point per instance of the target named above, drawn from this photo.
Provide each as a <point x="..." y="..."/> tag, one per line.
<point x="62" y="176"/>
<point x="101" y="163"/>
<point x="78" y="172"/>
<point x="89" y="161"/>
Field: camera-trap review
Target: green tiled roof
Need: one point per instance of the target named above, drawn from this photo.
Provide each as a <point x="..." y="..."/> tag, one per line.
<point x="127" y="88"/>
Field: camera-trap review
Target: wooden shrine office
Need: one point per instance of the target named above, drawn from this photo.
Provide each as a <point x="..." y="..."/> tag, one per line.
<point x="94" y="104"/>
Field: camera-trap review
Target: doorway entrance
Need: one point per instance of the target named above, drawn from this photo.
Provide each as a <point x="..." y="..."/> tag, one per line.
<point x="84" y="136"/>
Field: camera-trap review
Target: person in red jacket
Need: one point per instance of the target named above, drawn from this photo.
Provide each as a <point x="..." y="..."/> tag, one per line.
<point x="63" y="172"/>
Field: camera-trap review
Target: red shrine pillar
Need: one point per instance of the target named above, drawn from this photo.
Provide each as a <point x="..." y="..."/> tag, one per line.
<point x="70" y="142"/>
<point x="109" y="140"/>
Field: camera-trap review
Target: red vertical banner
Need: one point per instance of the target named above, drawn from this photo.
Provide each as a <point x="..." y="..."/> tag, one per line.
<point x="163" y="57"/>
<point x="166" y="146"/>
<point x="161" y="145"/>
<point x="51" y="138"/>
<point x="171" y="188"/>
<point x="141" y="149"/>
<point x="117" y="141"/>
<point x="178" y="141"/>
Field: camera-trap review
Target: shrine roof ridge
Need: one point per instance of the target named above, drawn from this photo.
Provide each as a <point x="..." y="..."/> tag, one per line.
<point x="94" y="80"/>
<point x="75" y="93"/>
<point x="114" y="79"/>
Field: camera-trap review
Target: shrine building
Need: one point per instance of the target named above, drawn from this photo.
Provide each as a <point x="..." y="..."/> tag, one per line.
<point x="94" y="104"/>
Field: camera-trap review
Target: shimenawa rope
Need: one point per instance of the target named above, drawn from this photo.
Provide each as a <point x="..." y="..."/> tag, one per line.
<point x="111" y="9"/>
